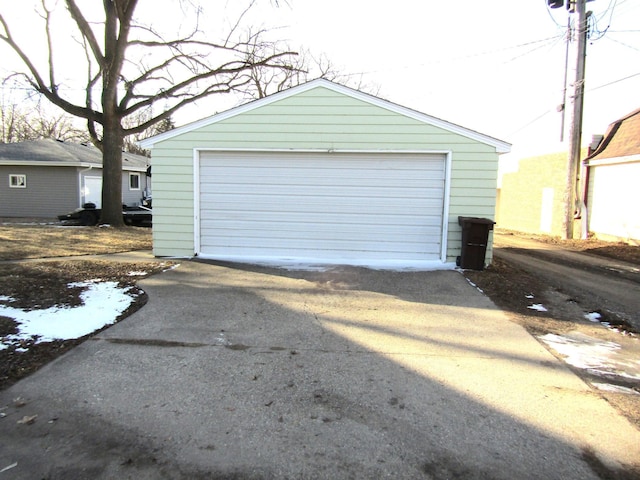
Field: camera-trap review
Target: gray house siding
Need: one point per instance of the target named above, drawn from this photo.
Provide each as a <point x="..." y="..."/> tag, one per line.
<point x="131" y="196"/>
<point x="49" y="191"/>
<point x="56" y="177"/>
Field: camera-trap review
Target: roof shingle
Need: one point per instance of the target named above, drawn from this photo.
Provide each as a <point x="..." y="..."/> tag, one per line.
<point x="621" y="140"/>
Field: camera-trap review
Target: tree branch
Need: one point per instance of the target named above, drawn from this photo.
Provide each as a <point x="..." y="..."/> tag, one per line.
<point x="85" y="30"/>
<point x="231" y="68"/>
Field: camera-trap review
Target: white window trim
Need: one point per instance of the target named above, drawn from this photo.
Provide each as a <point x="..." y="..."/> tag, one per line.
<point x="131" y="175"/>
<point x="18" y="177"/>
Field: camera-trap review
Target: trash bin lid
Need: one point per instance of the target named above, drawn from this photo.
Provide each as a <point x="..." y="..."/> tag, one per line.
<point x="484" y="221"/>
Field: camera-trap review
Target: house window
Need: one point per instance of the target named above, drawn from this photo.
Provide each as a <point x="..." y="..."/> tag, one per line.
<point x="134" y="181"/>
<point x="18" y="181"/>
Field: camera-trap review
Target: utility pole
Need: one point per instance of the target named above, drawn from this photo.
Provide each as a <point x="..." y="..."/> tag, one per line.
<point x="563" y="106"/>
<point x="571" y="198"/>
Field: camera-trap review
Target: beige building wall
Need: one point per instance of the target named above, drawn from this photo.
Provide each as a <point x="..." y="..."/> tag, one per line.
<point x="531" y="199"/>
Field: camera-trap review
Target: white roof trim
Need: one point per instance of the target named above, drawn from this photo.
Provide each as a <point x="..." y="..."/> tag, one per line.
<point x="501" y="146"/>
<point x="36" y="163"/>
<point x="613" y="160"/>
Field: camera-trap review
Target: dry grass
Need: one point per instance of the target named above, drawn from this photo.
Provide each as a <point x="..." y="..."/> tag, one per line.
<point x="628" y="252"/>
<point x="40" y="285"/>
<point x="19" y="242"/>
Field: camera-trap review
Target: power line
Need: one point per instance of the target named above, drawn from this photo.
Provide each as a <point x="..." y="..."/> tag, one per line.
<point x="556" y="38"/>
<point x="547" y="41"/>
<point x="552" y="110"/>
<point x="614" y="82"/>
<point x="531" y="122"/>
<point x="623" y="44"/>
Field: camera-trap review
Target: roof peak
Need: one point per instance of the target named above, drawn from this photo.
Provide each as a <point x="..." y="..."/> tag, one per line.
<point x="501" y="146"/>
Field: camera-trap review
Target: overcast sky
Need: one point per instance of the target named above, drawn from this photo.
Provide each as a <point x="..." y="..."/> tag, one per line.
<point x="495" y="67"/>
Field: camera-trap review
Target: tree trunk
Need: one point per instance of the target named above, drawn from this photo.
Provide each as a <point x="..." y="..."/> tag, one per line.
<point x="112" y="142"/>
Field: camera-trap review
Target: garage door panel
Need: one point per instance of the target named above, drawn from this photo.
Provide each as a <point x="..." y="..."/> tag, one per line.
<point x="337" y="170"/>
<point x="325" y="191"/>
<point x="427" y="189"/>
<point x="321" y="162"/>
<point x="334" y="207"/>
<point x="333" y="249"/>
<point x="332" y="219"/>
<point x="278" y="178"/>
<point x="251" y="206"/>
<point x="287" y="229"/>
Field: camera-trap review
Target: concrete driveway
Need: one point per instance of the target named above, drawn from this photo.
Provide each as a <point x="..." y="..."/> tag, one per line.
<point x="234" y="372"/>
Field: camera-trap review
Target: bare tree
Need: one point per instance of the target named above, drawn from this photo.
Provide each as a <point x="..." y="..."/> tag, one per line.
<point x="131" y="142"/>
<point x="19" y="124"/>
<point x="130" y="66"/>
<point x="306" y="66"/>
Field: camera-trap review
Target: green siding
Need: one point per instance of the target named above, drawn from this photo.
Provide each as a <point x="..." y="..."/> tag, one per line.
<point x="316" y="119"/>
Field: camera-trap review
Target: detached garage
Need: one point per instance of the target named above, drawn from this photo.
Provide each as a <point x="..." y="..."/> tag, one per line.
<point x="321" y="173"/>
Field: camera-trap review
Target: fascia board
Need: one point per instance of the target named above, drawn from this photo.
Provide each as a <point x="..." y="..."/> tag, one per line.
<point x="35" y="163"/>
<point x="31" y="163"/>
<point x="613" y="160"/>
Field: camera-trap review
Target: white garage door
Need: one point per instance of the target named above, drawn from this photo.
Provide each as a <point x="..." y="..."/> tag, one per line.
<point x="92" y="192"/>
<point x="363" y="209"/>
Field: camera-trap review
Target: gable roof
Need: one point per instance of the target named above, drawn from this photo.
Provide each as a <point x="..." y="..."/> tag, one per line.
<point x="56" y="153"/>
<point x="621" y="140"/>
<point x="501" y="146"/>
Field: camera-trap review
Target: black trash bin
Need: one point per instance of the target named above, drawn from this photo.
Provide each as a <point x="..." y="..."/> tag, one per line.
<point x="475" y="237"/>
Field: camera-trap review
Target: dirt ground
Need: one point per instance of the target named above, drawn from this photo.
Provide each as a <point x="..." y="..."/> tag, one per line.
<point x="43" y="284"/>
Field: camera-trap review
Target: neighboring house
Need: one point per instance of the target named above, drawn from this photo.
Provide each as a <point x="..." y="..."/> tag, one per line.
<point x="46" y="178"/>
<point x="613" y="178"/>
<point x="531" y="198"/>
<point x="321" y="173"/>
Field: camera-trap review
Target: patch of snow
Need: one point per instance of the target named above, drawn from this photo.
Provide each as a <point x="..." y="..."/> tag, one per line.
<point x="136" y="274"/>
<point x="324" y="265"/>
<point x="9" y="467"/>
<point x="222" y="340"/>
<point x="474" y="285"/>
<point x="103" y="302"/>
<point x="529" y="296"/>
<point x="607" y="387"/>
<point x="595" y="356"/>
<point x="4" y="298"/>
<point x="537" y="307"/>
<point x="592" y="317"/>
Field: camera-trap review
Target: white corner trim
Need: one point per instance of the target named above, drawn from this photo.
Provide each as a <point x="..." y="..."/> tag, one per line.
<point x="196" y="201"/>
<point x="501" y="146"/>
<point x="445" y="207"/>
